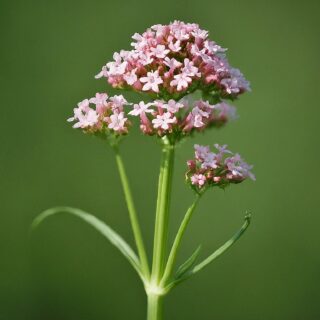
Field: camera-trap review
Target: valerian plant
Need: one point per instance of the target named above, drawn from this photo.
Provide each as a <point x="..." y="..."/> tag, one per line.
<point x="171" y="64"/>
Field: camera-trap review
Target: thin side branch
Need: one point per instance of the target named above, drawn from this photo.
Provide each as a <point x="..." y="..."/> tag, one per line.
<point x="133" y="215"/>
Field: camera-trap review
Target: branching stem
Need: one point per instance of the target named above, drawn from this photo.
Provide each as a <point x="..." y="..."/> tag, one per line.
<point x="177" y="241"/>
<point x="133" y="215"/>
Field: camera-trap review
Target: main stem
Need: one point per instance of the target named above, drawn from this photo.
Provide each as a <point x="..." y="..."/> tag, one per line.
<point x="162" y="213"/>
<point x="161" y="230"/>
<point x="154" y="307"/>
<point x="133" y="215"/>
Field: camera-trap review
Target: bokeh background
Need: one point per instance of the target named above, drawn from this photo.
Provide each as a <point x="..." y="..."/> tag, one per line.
<point x="50" y="52"/>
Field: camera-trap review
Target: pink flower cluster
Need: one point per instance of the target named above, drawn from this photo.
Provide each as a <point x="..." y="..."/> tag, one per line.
<point x="218" y="168"/>
<point x="180" y="118"/>
<point x="174" y="60"/>
<point x="101" y="114"/>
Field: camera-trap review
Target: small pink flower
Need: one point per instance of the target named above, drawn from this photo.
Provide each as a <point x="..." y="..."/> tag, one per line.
<point x="212" y="47"/>
<point x="131" y="77"/>
<point x="145" y="58"/>
<point x="181" y="81"/>
<point x="84" y="105"/>
<point x="181" y="34"/>
<point x="201" y="34"/>
<point x="101" y="102"/>
<point x="152" y="80"/>
<point x="239" y="170"/>
<point x="117" y="122"/>
<point x="160" y="104"/>
<point x="173" y="106"/>
<point x="99" y="99"/>
<point x="197" y="117"/>
<point x="189" y="69"/>
<point x="222" y="149"/>
<point x="141" y="41"/>
<point x="140" y="108"/>
<point x="175" y="47"/>
<point x="201" y="151"/>
<point x="102" y="73"/>
<point x="236" y="83"/>
<point x="210" y="161"/>
<point x="116" y="68"/>
<point x="160" y="30"/>
<point x="164" y="121"/>
<point x="118" y="102"/>
<point x="197" y="121"/>
<point x="196" y="51"/>
<point x="172" y="63"/>
<point x="86" y="120"/>
<point x="225" y="111"/>
<point x="160" y="51"/>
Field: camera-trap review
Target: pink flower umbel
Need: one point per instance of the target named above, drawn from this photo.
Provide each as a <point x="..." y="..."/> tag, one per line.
<point x="177" y="58"/>
<point x="210" y="169"/>
<point x="182" y="117"/>
<point x="101" y="115"/>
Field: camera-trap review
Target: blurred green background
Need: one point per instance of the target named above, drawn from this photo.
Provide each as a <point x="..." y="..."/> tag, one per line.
<point x="50" y="52"/>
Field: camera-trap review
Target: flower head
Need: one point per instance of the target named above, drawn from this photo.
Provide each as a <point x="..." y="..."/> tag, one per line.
<point x="180" y="117"/>
<point x="172" y="59"/>
<point x="101" y="114"/>
<point x="218" y="168"/>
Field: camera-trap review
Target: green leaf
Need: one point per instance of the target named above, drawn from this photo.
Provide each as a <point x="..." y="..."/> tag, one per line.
<point x="213" y="256"/>
<point x="100" y="226"/>
<point x="188" y="264"/>
<point x="224" y="247"/>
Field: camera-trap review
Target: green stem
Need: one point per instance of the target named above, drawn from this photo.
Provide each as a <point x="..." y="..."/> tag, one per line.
<point x="133" y="215"/>
<point x="162" y="213"/>
<point x="177" y="241"/>
<point x="154" y="307"/>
